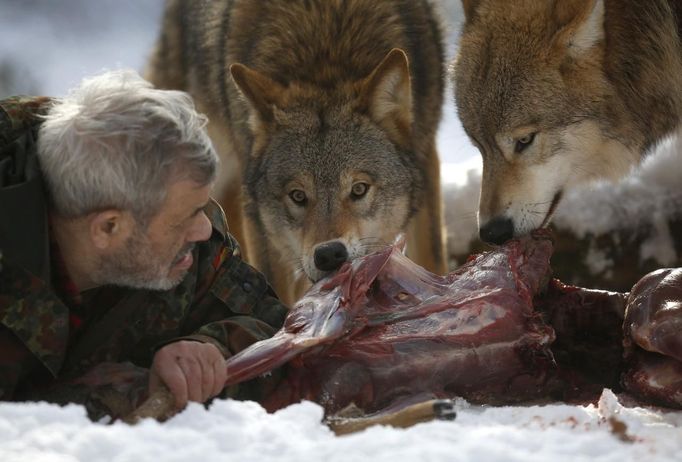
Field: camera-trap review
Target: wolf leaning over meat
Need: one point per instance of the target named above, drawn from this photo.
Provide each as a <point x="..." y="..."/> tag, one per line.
<point x="557" y="94"/>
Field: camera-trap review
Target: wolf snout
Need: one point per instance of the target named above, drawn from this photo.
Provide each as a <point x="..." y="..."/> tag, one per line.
<point x="330" y="255"/>
<point x="497" y="231"/>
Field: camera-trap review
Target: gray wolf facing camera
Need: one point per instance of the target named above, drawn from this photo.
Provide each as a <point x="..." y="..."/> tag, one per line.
<point x="324" y="113"/>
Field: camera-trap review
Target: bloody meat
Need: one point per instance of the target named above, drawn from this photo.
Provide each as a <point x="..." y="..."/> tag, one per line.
<point x="384" y="330"/>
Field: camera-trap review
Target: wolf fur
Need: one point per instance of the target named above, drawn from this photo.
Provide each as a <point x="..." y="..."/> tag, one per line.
<point x="324" y="113"/>
<point x="556" y="93"/>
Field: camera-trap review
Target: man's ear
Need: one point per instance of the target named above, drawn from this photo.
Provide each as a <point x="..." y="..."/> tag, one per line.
<point x="262" y="93"/>
<point x="581" y="25"/>
<point x="386" y="95"/>
<point x="110" y="227"/>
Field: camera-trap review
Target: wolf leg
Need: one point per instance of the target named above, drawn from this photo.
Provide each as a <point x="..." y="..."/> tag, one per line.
<point x="440" y="409"/>
<point x="281" y="273"/>
<point x="229" y="183"/>
<point x="230" y="199"/>
<point x="425" y="235"/>
<point x="288" y="283"/>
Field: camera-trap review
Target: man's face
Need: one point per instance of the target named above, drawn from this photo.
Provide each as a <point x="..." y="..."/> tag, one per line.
<point x="159" y="256"/>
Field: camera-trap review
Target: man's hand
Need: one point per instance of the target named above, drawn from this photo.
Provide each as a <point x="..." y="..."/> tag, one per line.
<point x="192" y="371"/>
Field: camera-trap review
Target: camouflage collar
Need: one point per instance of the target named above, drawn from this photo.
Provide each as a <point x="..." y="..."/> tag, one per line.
<point x="216" y="215"/>
<point x="19" y="113"/>
<point x="30" y="309"/>
<point x="23" y="225"/>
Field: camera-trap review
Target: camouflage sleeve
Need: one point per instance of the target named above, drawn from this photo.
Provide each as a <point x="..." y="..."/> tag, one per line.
<point x="108" y="389"/>
<point x="234" y="307"/>
<point x="16" y="363"/>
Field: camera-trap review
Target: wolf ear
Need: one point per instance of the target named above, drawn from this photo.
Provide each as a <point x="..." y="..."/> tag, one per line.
<point x="386" y="95"/>
<point x="583" y="24"/>
<point x="261" y="92"/>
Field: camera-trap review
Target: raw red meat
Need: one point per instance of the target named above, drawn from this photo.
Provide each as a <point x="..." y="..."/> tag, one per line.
<point x="653" y="338"/>
<point x="383" y="330"/>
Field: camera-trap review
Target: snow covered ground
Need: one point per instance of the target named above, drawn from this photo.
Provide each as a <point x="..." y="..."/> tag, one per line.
<point x="47" y="47"/>
<point x="243" y="431"/>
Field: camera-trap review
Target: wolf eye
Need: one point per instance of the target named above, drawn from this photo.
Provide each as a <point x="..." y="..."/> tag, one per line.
<point x="298" y="197"/>
<point x="523" y="143"/>
<point x="358" y="190"/>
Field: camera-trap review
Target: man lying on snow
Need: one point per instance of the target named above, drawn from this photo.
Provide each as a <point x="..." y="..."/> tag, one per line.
<point x="122" y="276"/>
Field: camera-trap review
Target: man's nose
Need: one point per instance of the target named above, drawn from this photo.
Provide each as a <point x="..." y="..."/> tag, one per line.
<point x="201" y="229"/>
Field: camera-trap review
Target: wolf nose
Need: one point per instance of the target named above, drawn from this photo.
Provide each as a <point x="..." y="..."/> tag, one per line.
<point x="497" y="231"/>
<point x="330" y="256"/>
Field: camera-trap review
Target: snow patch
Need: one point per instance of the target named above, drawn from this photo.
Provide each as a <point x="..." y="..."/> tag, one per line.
<point x="598" y="261"/>
<point x="233" y="430"/>
<point x="651" y="192"/>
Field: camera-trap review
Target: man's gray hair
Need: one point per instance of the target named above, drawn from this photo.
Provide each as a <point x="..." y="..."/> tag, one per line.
<point x="117" y="142"/>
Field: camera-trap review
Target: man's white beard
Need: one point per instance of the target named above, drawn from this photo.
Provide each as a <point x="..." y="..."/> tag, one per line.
<point x="137" y="267"/>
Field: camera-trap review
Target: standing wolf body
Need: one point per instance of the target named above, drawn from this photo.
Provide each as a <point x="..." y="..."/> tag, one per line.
<point x="558" y="93"/>
<point x="325" y="114"/>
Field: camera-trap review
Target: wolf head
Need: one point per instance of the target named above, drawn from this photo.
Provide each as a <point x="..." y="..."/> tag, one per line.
<point x="332" y="172"/>
<point x="533" y="96"/>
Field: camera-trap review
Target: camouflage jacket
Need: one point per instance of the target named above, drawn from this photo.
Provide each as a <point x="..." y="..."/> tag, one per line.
<point x="222" y="300"/>
<point x="23" y="236"/>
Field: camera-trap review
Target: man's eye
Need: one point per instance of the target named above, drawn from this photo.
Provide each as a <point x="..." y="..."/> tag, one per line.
<point x="359" y="190"/>
<point x="298" y="197"/>
<point x="523" y="143"/>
